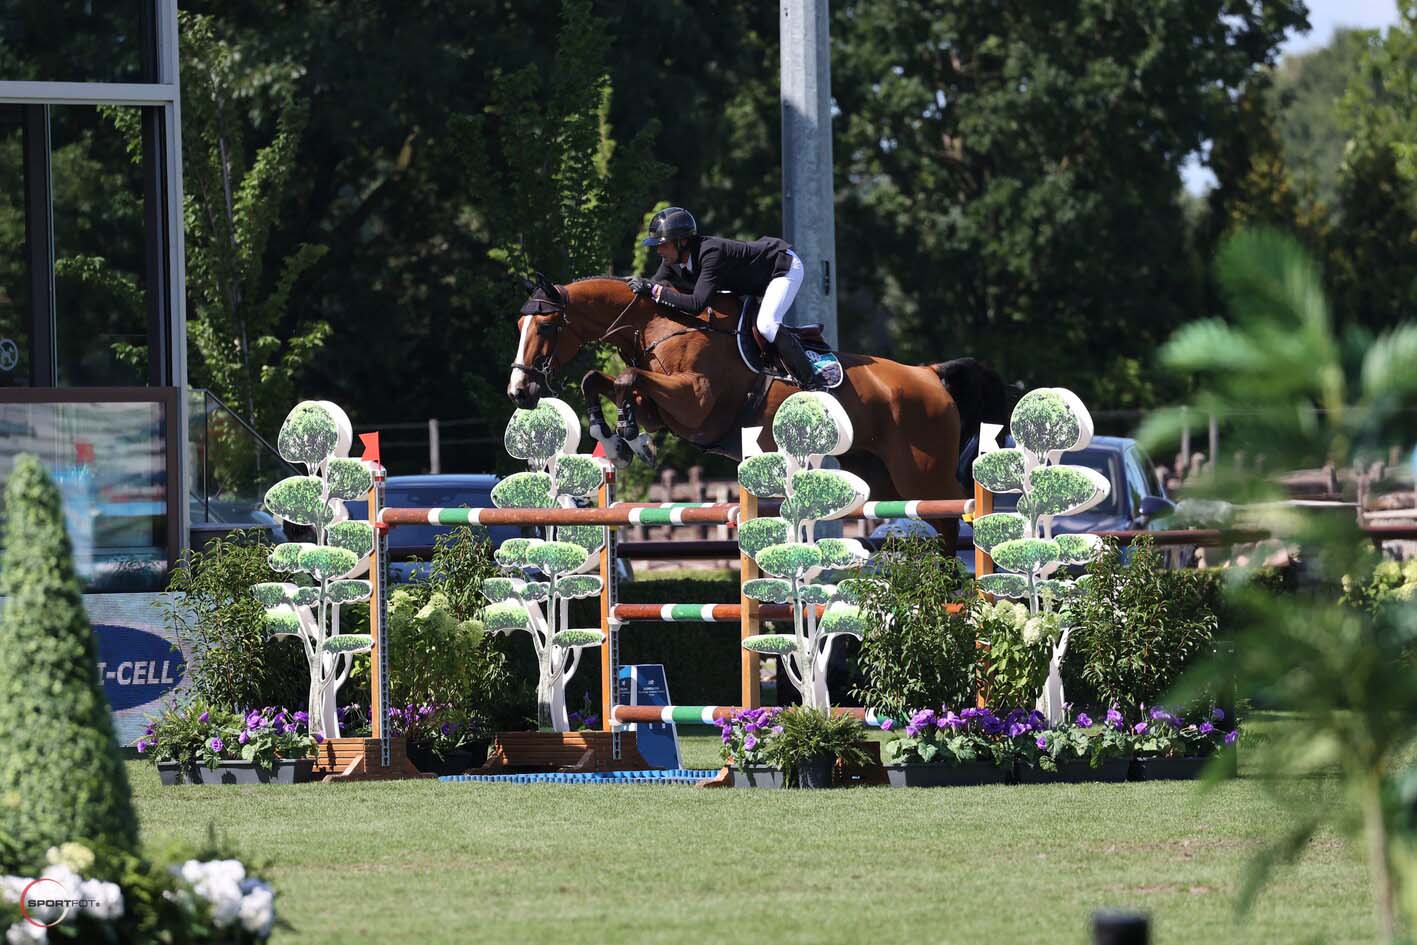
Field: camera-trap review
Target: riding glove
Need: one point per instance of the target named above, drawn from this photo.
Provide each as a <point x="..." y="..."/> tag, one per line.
<point x="641" y="286"/>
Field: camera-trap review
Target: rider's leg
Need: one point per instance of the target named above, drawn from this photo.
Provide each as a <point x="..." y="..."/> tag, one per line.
<point x="777" y="299"/>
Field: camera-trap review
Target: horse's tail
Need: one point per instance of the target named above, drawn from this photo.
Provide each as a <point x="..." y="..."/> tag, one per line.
<point x="978" y="391"/>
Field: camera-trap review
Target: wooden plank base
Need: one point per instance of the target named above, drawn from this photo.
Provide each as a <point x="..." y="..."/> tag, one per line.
<point x="545" y="752"/>
<point x="358" y="759"/>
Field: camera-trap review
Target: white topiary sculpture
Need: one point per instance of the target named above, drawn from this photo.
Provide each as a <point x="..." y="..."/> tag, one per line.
<point x="806" y="428"/>
<point x="324" y="572"/>
<point x="1046" y="423"/>
<point x="542" y="577"/>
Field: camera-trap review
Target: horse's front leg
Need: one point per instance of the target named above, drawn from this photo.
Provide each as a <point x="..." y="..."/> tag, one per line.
<point x="596" y="386"/>
<point x="627" y="400"/>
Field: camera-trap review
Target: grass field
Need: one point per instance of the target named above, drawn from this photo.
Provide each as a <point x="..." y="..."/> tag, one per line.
<point x="431" y="862"/>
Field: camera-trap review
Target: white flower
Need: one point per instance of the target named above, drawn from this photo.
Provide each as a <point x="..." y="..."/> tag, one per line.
<point x="1032" y="631"/>
<point x="64" y="876"/>
<point x="23" y="933"/>
<point x="76" y="856"/>
<point x="105" y="899"/>
<point x="258" y="912"/>
<point x="12" y="886"/>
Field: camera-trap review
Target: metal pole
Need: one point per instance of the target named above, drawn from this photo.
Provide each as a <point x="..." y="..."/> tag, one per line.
<point x="808" y="216"/>
<point x="1214" y="442"/>
<point x="434" y="459"/>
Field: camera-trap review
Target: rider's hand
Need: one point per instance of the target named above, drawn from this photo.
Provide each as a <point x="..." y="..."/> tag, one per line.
<point x="641" y="286"/>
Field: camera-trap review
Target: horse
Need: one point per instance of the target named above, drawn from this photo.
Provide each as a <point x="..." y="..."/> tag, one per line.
<point x="685" y="375"/>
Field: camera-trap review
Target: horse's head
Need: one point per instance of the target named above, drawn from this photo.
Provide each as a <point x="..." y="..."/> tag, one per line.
<point x="545" y="342"/>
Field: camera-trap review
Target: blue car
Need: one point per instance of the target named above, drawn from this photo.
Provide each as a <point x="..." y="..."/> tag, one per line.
<point x="1137" y="498"/>
<point x="449" y="491"/>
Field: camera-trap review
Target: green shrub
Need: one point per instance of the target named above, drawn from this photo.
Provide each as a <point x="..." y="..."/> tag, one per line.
<point x="1137" y="626"/>
<point x="60" y="775"/>
<point x="219" y="618"/>
<point x="1020" y="647"/>
<point x="914" y="653"/>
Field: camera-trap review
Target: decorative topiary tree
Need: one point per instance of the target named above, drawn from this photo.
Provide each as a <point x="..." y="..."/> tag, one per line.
<point x="543" y="576"/>
<point x="808" y="427"/>
<point x="1046" y="423"/>
<point x="324" y="573"/>
<point x="60" y="775"/>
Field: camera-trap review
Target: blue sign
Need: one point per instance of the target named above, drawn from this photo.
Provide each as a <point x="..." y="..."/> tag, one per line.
<point x="136" y="667"/>
<point x="645" y="684"/>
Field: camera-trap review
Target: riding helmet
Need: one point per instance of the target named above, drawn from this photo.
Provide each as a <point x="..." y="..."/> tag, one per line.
<point x="671" y="223"/>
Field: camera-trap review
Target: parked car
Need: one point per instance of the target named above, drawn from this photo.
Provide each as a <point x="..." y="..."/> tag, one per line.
<point x="1137" y="498"/>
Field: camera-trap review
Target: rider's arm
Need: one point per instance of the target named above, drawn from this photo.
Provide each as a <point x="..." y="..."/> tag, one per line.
<point x="704" y="288"/>
<point x="665" y="274"/>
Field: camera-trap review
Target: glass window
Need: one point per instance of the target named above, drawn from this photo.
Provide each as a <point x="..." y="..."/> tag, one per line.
<point x="14" y="254"/>
<point x="100" y="301"/>
<point x="111" y="464"/>
<point x="77" y="40"/>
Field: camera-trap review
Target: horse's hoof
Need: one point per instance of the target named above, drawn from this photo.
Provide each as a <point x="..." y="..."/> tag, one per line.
<point x="643" y="447"/>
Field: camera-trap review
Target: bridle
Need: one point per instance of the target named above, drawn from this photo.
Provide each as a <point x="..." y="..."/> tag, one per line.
<point x="540" y="369"/>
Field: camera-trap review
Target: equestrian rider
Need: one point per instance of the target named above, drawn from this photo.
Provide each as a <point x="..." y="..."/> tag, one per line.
<point x="765" y="267"/>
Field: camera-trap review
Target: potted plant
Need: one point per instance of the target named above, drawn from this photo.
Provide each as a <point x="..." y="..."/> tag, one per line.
<point x="942" y="748"/>
<point x="747" y="738"/>
<point x="1170" y="748"/>
<point x="1079" y="751"/>
<point x="199" y="744"/>
<point x="812" y="741"/>
<point x="442" y="739"/>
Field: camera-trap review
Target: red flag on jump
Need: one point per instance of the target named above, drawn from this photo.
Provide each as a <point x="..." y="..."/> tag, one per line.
<point x="599" y="450"/>
<point x="371" y="447"/>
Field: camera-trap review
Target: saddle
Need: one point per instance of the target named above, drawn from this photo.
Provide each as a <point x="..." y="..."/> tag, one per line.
<point x="754" y="349"/>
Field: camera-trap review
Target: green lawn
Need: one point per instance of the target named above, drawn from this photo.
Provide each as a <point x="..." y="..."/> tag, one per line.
<point x="430" y="862"/>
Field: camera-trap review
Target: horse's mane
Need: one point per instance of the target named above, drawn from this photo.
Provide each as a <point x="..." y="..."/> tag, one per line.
<point x="598" y="279"/>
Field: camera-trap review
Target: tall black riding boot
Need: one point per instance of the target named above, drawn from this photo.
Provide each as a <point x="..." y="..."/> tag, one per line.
<point x="789" y="346"/>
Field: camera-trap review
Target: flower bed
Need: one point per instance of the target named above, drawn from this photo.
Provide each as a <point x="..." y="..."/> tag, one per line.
<point x="265" y="742"/>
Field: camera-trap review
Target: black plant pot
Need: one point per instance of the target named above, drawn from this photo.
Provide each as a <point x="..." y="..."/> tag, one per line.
<point x="285" y="771"/>
<point x="459" y="761"/>
<point x="1113" y="771"/>
<point x="1167" y="769"/>
<point x="941" y="775"/>
<point x="756" y="776"/>
<point x="816" y="771"/>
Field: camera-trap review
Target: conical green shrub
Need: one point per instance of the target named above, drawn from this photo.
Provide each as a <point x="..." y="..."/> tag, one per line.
<point x="61" y="778"/>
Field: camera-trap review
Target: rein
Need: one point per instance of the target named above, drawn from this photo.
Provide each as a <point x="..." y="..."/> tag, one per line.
<point x="543" y="365"/>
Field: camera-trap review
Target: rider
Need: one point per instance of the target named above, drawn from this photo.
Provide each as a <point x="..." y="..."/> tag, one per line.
<point x="765" y="267"/>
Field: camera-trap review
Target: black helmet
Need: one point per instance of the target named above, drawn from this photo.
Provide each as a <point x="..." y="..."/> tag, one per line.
<point x="671" y="223"/>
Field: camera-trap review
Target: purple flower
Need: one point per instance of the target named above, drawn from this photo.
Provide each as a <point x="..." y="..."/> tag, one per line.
<point x="750" y="743"/>
<point x="991" y="725"/>
<point x="1084" y="720"/>
<point x="1231" y="736"/>
<point x="777" y="729"/>
<point x="288" y="729"/>
<point x="953" y="721"/>
<point x="243" y="738"/>
<point x="148" y="730"/>
<point x="446" y="728"/>
<point x="1139" y="728"/>
<point x="319" y="738"/>
<point x="143" y="744"/>
<point x="204" y="717"/>
<point x="301" y="717"/>
<point x="1114" y="719"/>
<point x="1218" y="714"/>
<point x="1042" y="742"/>
<point x="216" y="744"/>
<point x="727" y="736"/>
<point x="1017" y="729"/>
<point x="887" y="725"/>
<point x="1206" y="728"/>
<point x="591" y="721"/>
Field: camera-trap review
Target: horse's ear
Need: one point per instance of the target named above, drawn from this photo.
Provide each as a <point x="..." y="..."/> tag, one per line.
<point x="524" y="282"/>
<point x="545" y="284"/>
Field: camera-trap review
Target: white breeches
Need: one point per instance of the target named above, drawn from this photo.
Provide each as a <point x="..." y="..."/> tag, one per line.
<point x="777" y="299"/>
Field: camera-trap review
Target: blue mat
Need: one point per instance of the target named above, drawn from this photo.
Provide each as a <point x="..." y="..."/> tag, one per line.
<point x="674" y="776"/>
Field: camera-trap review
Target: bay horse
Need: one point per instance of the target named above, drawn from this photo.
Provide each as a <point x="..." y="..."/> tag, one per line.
<point x="685" y="375"/>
